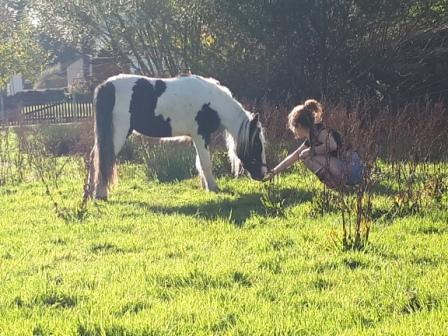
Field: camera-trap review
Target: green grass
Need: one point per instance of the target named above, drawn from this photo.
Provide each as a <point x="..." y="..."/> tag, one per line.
<point x="171" y="259"/>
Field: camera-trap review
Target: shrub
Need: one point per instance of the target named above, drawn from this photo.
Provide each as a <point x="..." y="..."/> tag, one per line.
<point x="48" y="169"/>
<point x="221" y="164"/>
<point x="132" y="151"/>
<point x="272" y="199"/>
<point x="13" y="161"/>
<point x="60" y="140"/>
<point x="168" y="162"/>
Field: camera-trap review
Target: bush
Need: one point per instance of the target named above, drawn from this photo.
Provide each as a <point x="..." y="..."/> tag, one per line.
<point x="60" y="140"/>
<point x="13" y="161"/>
<point x="221" y="164"/>
<point x="132" y="151"/>
<point x="169" y="162"/>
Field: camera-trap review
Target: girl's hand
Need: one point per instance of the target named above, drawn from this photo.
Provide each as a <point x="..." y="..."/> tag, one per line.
<point x="269" y="176"/>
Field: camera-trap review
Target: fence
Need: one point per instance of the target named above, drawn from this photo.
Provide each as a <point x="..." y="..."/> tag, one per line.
<point x="51" y="113"/>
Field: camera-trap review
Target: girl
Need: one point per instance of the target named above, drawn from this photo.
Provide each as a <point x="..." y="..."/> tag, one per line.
<point x="322" y="150"/>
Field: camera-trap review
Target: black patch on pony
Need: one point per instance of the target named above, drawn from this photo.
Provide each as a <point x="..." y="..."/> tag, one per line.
<point x="208" y="122"/>
<point x="253" y="160"/>
<point x="143" y="106"/>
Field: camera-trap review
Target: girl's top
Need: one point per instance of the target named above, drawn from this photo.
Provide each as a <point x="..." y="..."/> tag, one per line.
<point x="313" y="140"/>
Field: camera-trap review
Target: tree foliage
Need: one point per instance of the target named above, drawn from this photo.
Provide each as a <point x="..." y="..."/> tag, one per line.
<point x="273" y="48"/>
<point x="20" y="51"/>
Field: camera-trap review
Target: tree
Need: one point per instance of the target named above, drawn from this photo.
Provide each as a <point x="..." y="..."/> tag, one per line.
<point x="20" y="51"/>
<point x="278" y="49"/>
<point x="155" y="36"/>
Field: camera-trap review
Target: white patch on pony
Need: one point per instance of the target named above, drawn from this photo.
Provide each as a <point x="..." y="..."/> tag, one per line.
<point x="200" y="171"/>
<point x="121" y="116"/>
<point x="233" y="158"/>
<point x="218" y="84"/>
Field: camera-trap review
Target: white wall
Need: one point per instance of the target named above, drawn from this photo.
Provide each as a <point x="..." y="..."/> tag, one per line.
<point x="15" y="85"/>
<point x="74" y="72"/>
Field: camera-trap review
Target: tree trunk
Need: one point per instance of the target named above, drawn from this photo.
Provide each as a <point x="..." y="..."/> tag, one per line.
<point x="323" y="52"/>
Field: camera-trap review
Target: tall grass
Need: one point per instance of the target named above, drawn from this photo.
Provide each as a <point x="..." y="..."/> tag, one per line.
<point x="410" y="138"/>
<point x="170" y="259"/>
<point x="168" y="162"/>
<point x="255" y="259"/>
<point x="13" y="162"/>
<point x="401" y="151"/>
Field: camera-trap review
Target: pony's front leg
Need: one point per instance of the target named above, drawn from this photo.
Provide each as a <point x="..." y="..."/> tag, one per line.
<point x="204" y="166"/>
<point x="200" y="172"/>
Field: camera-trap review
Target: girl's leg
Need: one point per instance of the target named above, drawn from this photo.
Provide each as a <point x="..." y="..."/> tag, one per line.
<point x="330" y="170"/>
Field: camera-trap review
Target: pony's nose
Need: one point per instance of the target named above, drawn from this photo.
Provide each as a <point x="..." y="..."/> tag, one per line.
<point x="258" y="177"/>
<point x="264" y="171"/>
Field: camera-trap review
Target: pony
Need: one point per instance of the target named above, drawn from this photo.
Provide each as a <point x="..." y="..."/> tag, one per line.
<point x="185" y="106"/>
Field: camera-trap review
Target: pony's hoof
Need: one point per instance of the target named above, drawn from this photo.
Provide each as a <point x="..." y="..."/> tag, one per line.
<point x="100" y="197"/>
<point x="214" y="189"/>
<point x="101" y="193"/>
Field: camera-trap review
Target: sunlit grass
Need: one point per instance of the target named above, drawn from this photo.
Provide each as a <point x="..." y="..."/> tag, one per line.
<point x="171" y="259"/>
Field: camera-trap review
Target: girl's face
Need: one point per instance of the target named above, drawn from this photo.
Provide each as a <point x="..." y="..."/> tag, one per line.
<point x="301" y="132"/>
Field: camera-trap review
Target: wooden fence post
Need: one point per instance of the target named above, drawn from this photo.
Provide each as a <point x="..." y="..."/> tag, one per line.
<point x="2" y="108"/>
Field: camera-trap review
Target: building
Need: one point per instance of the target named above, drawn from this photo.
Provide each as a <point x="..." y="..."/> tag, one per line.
<point x="81" y="70"/>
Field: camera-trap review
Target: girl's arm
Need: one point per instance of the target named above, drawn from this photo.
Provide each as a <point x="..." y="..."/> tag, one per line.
<point x="328" y="143"/>
<point x="288" y="161"/>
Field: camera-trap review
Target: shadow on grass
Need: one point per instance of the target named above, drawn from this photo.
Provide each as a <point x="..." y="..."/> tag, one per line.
<point x="236" y="210"/>
<point x="295" y="196"/>
<point x="382" y="189"/>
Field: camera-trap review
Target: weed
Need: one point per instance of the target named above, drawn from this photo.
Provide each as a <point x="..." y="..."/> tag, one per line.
<point x="272" y="199"/>
<point x="49" y="169"/>
<point x="168" y="162"/>
<point x="13" y="161"/>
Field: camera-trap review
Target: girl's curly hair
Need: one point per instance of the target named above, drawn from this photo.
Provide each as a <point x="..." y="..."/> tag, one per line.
<point x="305" y="115"/>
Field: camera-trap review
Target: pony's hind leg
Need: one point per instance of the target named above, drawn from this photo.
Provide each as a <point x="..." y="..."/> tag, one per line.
<point x="204" y="166"/>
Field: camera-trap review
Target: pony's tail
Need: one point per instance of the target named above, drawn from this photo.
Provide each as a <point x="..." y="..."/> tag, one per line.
<point x="104" y="154"/>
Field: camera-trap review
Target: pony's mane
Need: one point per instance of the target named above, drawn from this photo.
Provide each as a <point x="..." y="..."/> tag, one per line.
<point x="241" y="146"/>
<point x="244" y="142"/>
<point x="216" y="82"/>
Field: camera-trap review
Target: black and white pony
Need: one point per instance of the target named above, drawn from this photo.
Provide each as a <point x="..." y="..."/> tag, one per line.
<point x="183" y="106"/>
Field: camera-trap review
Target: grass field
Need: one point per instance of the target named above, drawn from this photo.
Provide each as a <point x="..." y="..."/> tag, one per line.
<point x="170" y="259"/>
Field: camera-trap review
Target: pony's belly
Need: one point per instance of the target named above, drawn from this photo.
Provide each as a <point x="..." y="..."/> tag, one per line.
<point x="153" y="128"/>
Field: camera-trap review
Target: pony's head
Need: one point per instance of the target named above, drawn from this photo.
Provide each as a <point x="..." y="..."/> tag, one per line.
<point x="250" y="148"/>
